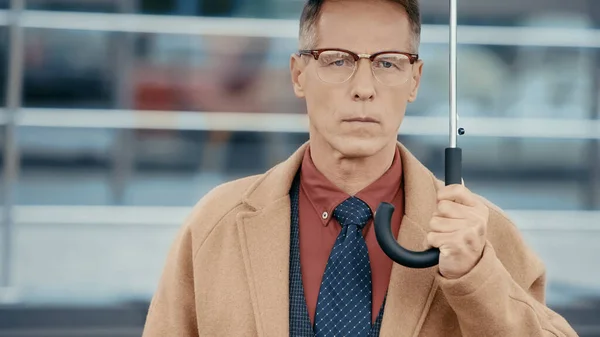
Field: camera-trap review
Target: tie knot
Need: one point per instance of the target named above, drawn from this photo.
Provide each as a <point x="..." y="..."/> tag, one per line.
<point x="352" y="211"/>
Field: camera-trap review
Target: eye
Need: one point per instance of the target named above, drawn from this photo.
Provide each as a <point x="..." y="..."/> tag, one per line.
<point x="391" y="62"/>
<point x="336" y="59"/>
<point x="386" y="64"/>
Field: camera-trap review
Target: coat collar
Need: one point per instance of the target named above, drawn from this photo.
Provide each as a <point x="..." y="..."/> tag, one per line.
<point x="264" y="234"/>
<point x="419" y="186"/>
<point x="275" y="183"/>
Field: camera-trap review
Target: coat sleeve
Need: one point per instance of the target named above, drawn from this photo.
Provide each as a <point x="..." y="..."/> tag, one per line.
<point x="488" y="301"/>
<point x="172" y="310"/>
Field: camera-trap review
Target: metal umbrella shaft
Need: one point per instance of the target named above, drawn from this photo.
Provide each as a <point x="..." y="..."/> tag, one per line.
<point x="453" y="164"/>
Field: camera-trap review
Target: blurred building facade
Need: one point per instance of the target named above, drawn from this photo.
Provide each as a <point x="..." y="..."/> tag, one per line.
<point x="128" y="112"/>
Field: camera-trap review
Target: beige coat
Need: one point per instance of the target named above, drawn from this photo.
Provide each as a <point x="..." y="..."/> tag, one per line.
<point x="227" y="272"/>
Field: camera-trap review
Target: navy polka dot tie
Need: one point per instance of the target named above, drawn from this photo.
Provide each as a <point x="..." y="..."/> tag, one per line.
<point x="344" y="302"/>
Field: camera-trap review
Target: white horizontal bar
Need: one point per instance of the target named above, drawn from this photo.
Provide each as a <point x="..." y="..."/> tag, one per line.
<point x="73" y="332"/>
<point x="544" y="220"/>
<point x="163" y="120"/>
<point x="526" y="220"/>
<point x="555" y="128"/>
<point x="160" y="24"/>
<point x="99" y="215"/>
<point x="515" y="36"/>
<point x="281" y="28"/>
<point x="298" y="123"/>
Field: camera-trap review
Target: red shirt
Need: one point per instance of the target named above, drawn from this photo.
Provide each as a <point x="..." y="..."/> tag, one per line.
<point x="317" y="233"/>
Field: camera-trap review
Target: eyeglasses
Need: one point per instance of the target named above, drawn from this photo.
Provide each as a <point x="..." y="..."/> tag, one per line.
<point x="338" y="65"/>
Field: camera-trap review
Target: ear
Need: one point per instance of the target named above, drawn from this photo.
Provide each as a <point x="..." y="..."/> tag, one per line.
<point x="297" y="68"/>
<point x="416" y="80"/>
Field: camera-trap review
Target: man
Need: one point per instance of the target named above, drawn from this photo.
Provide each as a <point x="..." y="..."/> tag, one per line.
<point x="292" y="252"/>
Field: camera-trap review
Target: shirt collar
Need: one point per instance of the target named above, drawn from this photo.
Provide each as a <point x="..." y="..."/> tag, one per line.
<point x="325" y="196"/>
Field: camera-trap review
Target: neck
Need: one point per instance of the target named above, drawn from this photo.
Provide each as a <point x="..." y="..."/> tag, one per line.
<point x="351" y="174"/>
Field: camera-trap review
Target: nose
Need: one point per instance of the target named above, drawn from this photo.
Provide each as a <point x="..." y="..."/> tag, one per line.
<point x="363" y="86"/>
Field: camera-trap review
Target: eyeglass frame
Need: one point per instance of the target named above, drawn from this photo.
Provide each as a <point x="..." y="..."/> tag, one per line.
<point x="316" y="53"/>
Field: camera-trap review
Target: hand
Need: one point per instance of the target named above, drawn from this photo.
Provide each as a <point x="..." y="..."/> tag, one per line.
<point x="458" y="229"/>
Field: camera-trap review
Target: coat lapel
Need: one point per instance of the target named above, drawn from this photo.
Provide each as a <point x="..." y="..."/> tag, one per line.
<point x="264" y="235"/>
<point x="411" y="291"/>
<point x="265" y="238"/>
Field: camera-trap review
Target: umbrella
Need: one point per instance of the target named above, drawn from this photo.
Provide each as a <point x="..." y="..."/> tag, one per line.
<point x="453" y="175"/>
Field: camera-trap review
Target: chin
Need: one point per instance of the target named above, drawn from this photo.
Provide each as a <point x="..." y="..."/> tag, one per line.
<point x="353" y="147"/>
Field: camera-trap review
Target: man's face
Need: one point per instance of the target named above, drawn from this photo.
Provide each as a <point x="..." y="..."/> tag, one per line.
<point x="363" y="27"/>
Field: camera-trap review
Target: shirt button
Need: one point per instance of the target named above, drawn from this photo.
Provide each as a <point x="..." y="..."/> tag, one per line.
<point x="325" y="215"/>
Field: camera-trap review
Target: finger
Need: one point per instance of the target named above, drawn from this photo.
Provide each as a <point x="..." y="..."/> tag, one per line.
<point x="446" y="225"/>
<point x="459" y="194"/>
<point x="439" y="239"/>
<point x="444" y="249"/>
<point x="452" y="210"/>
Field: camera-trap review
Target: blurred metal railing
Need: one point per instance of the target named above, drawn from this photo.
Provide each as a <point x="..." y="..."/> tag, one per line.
<point x="14" y="116"/>
<point x="530" y="220"/>
<point x="277" y="28"/>
<point x="274" y="28"/>
<point x="558" y="128"/>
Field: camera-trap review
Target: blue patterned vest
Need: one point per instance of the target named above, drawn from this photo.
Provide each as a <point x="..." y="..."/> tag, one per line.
<point x="300" y="324"/>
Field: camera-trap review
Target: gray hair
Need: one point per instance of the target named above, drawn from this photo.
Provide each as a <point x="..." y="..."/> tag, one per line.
<point x="308" y="35"/>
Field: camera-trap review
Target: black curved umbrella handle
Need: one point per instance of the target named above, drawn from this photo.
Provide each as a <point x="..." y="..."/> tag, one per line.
<point x="383" y="219"/>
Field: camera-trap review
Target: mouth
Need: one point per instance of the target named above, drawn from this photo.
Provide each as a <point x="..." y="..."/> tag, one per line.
<point x="361" y="120"/>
